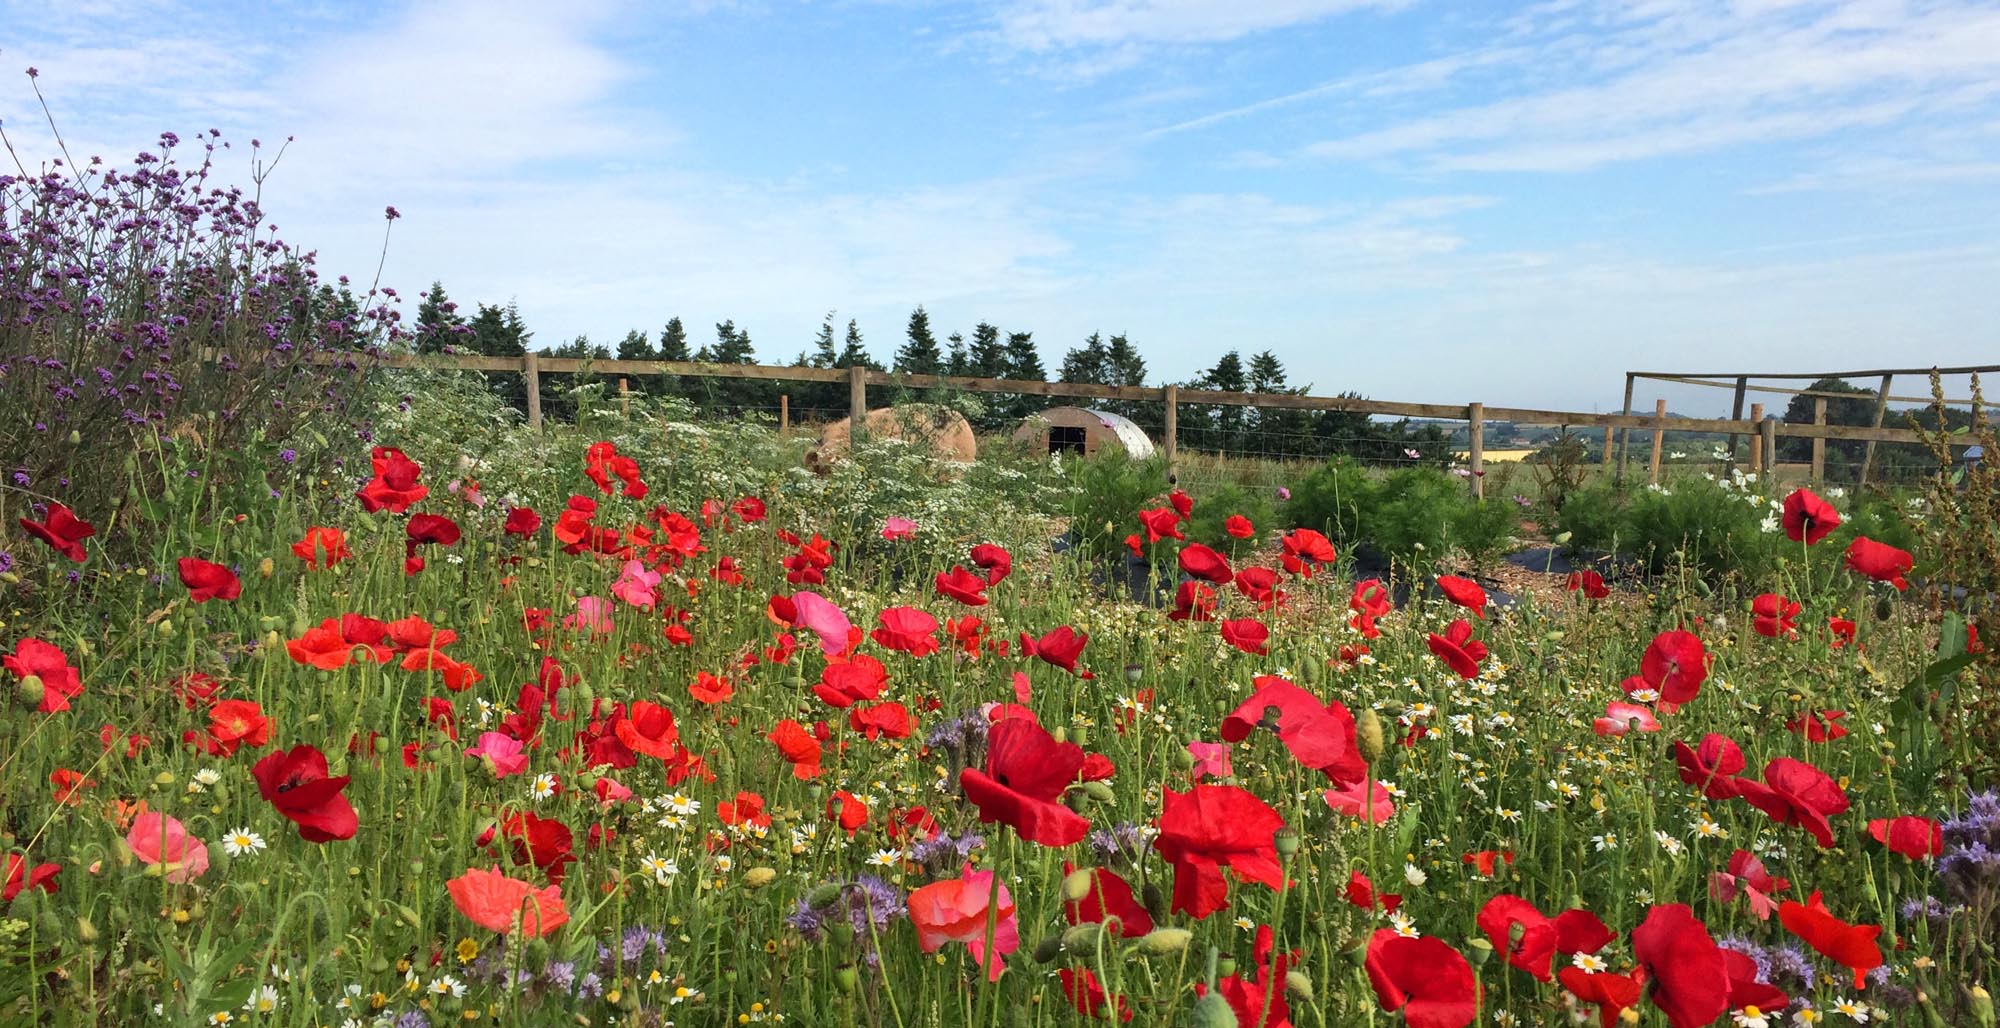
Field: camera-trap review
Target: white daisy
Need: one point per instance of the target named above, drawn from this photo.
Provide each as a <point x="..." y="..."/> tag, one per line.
<point x="241" y="842"/>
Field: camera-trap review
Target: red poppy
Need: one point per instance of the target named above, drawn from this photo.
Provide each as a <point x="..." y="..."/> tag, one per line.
<point x="431" y="528"/>
<point x="963" y="586"/>
<point x="322" y="547"/>
<point x="546" y="843"/>
<point x="1740" y="969"/>
<point x="1060" y="647"/>
<point x="997" y="562"/>
<point x="1208" y="828"/>
<point x="70" y="784"/>
<point x="1689" y="982"/>
<point x="1612" y="993"/>
<point x="1851" y="946"/>
<point x="889" y="719"/>
<point x="799" y="748"/>
<point x="846" y="682"/>
<point x="523" y="521"/>
<point x="62" y="530"/>
<point x="1238" y="527"/>
<point x="906" y="629"/>
<point x="1022" y="784"/>
<point x="232" y="724"/>
<point x="1305" y="552"/>
<point x="194" y="689"/>
<point x="711" y="689"/>
<point x="1161" y="523"/>
<point x="1459" y="649"/>
<point x="1485" y="862"/>
<point x="21" y="877"/>
<point x="1193" y="601"/>
<point x="1202" y="562"/>
<point x="1257" y="995"/>
<point x="1794" y="792"/>
<point x="1182" y="503"/>
<point x="1674" y="666"/>
<point x="494" y="901"/>
<point x="1913" y="837"/>
<point x="1261" y="586"/>
<point x="60" y="682"/>
<point x="602" y="460"/>
<point x="1713" y="767"/>
<point x="1247" y="634"/>
<point x="1370" y="597"/>
<point x="1319" y="735"/>
<point x="1774" y="615"/>
<point x="1590" y="584"/>
<point x="1841" y="631"/>
<point x="1807" y="518"/>
<point x="1818" y="726"/>
<point x="749" y="508"/>
<point x="206" y="581"/>
<point x="1541" y="937"/>
<point x="1465" y="592"/>
<point x="295" y="782"/>
<point x="648" y="728"/>
<point x="847" y="810"/>
<point x="394" y="487"/>
<point x="1747" y="873"/>
<point x="1361" y="892"/>
<point x="746" y="809"/>
<point x="1880" y="561"/>
<point x="1424" y="978"/>
<point x="1109" y="896"/>
<point x="1089" y="997"/>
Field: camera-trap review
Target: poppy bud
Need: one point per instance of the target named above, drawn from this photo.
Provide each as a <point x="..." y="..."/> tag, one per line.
<point x="1048" y="949"/>
<point x="822" y="895"/>
<point x="408" y="916"/>
<point x="1099" y="791"/>
<point x="31" y="690"/>
<point x="758" y="877"/>
<point x="1368" y="733"/>
<point x="1356" y="954"/>
<point x="1298" y="988"/>
<point x="1082" y="937"/>
<point x="1155" y="901"/>
<point x="87" y="933"/>
<point x="10" y="578"/>
<point x="1226" y="966"/>
<point x="165" y="628"/>
<point x="1077" y="885"/>
<point x="1185" y="758"/>
<point x="1478" y="951"/>
<point x="1884" y="609"/>
<point x="1561" y="538"/>
<point x="1162" y="942"/>
<point x="1059" y="733"/>
<point x="1212" y="1011"/>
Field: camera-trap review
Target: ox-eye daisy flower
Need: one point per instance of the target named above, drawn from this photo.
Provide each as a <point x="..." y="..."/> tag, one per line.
<point x="241" y="842"/>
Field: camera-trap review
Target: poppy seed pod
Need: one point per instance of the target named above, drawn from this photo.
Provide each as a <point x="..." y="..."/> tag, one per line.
<point x="1286" y="840"/>
<point x="1133" y="672"/>
<point x="844" y="977"/>
<point x="1226" y="966"/>
<point x="1081" y="736"/>
<point x="1478" y="951"/>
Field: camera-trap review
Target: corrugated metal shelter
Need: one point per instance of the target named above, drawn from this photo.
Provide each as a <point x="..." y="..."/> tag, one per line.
<point x="1078" y="430"/>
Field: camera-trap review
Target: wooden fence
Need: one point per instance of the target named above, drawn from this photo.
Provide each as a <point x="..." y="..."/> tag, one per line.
<point x="1763" y="432"/>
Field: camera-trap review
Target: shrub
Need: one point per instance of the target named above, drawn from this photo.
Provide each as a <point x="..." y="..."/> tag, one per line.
<point x="1593" y="516"/>
<point x="1106" y="488"/>
<point x="1213" y="506"/>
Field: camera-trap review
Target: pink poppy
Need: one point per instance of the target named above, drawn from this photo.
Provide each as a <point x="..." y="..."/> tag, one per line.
<point x="593" y="615"/>
<point x="637" y="585"/>
<point x="894" y="529"/>
<point x="959" y="909"/>
<point x="503" y="754"/>
<point x="1210" y="758"/>
<point x="157" y="839"/>
<point x="1377" y="808"/>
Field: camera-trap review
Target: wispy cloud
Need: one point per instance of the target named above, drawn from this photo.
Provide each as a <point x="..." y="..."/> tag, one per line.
<point x="1040" y="26"/>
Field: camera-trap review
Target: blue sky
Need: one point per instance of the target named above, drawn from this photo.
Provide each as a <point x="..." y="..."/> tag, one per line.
<point x="1420" y="201"/>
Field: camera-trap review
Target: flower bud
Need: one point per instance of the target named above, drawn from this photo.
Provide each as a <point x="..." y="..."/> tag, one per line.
<point x="1368" y="733"/>
<point x="267" y="567"/>
<point x="1077" y="884"/>
<point x="1081" y="736"/>
<point x="1082" y="937"/>
<point x="1478" y="951"/>
<point x="1212" y="1011"/>
<point x="1048" y="949"/>
<point x="822" y="895"/>
<point x="758" y="877"/>
<point x="844" y="977"/>
<point x="1161" y="942"/>
<point x="1059" y="733"/>
<point x="87" y="932"/>
<point x="165" y="628"/>
<point x="1099" y="791"/>
<point x="31" y="690"/>
<point x="1184" y="757"/>
<point x="1226" y="966"/>
<point x="1154" y="899"/>
<point x="1980" y="1002"/>
<point x="1298" y="988"/>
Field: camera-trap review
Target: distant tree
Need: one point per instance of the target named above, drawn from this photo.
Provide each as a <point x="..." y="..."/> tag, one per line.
<point x="330" y="306"/>
<point x="919" y="354"/>
<point x="732" y="346"/>
<point x="852" y="352"/>
<point x="1086" y="363"/>
<point x="1124" y="367"/>
<point x="1217" y="427"/>
<point x="1855" y="406"/>
<point x="988" y="355"/>
<point x="498" y="332"/>
<point x="1278" y="430"/>
<point x="1023" y="363"/>
<point x="635" y="347"/>
<point x="959" y="363"/>
<point x="824" y="354"/>
<point x="674" y="342"/>
<point x="438" y="324"/>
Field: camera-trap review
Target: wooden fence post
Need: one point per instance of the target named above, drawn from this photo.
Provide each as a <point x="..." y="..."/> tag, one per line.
<point x="624" y="396"/>
<point x="1170" y="434"/>
<point x="784" y="413"/>
<point x="1624" y="434"/>
<point x="1475" y="416"/>
<point x="1881" y="408"/>
<point x="1819" y="441"/>
<point x="857" y="398"/>
<point x="1757" y="455"/>
<point x="1736" y="414"/>
<point x="531" y="372"/>
<point x="1659" y="437"/>
<point x="1609" y="432"/>
<point x="1769" y="429"/>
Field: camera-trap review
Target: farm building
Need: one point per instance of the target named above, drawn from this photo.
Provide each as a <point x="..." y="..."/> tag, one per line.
<point x="1077" y="430"/>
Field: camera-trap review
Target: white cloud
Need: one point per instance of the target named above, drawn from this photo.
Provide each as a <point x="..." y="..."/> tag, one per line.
<point x="1040" y="26"/>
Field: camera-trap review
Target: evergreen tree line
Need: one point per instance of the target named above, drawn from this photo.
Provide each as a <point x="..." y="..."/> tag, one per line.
<point x="989" y="352"/>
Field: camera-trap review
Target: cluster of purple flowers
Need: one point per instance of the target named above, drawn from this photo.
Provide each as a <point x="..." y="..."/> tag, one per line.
<point x="865" y="907"/>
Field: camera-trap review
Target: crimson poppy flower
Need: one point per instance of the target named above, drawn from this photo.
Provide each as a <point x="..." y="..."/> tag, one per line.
<point x="746" y="809"/>
<point x="296" y="783"/>
<point x="1261" y="586"/>
<point x="1841" y="632"/>
<point x="1589" y="583"/>
<point x="1021" y="785"/>
<point x="60" y="682"/>
<point x="394" y="487"/>
<point x="889" y="719"/>
<point x="847" y="810"/>
<point x="1674" y="666"/>
<point x="1109" y="896"/>
<point x="1256" y="995"/>
<point x="1541" y="937"/>
<point x="1745" y="991"/>
<point x="1370" y="597"/>
<point x="431" y="528"/>
<point x="1773" y="615"/>
<point x="523" y="522"/>
<point x="1880" y="561"/>
<point x="232" y="724"/>
<point x="322" y="547"/>
<point x="1366" y="801"/>
<point x="1089" y="998"/>
<point x="602" y="460"/>
<point x="22" y="877"/>
<point x="322" y="646"/>
<point x="1807" y="518"/>
<point x="1465" y="592"/>
<point x="711" y="689"/>
<point x="1160" y="523"/>
<point x="1247" y="634"/>
<point x="1713" y="767"/>
<point x="996" y="561"/>
<point x="648" y="728"/>
<point x="61" y="529"/>
<point x="1305" y="552"/>
<point x="906" y="629"/>
<point x="1689" y="981"/>
<point x="1485" y="862"/>
<point x="1061" y="647"/>
<point x="1818" y="726"/>
<point x="1851" y="946"/>
<point x="799" y="748"/>
<point x="1747" y="873"/>
<point x="544" y="843"/>
<point x="1613" y="994"/>
<point x="1913" y="837"/>
<point x="844" y="683"/>
<point x="1457" y="648"/>
<point x="963" y="586"/>
<point x="494" y="901"/>
<point x="70" y="784"/>
<point x="1794" y="792"/>
<point x="1361" y="893"/>
<point x="1319" y="735"/>
<point x="1202" y="562"/>
<point x="1425" y="978"/>
<point x="749" y="508"/>
<point x="1182" y="503"/>
<point x="456" y="675"/>
<point x="1193" y="601"/>
<point x="1238" y="527"/>
<point x="1208" y="828"/>
<point x="206" y="581"/>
